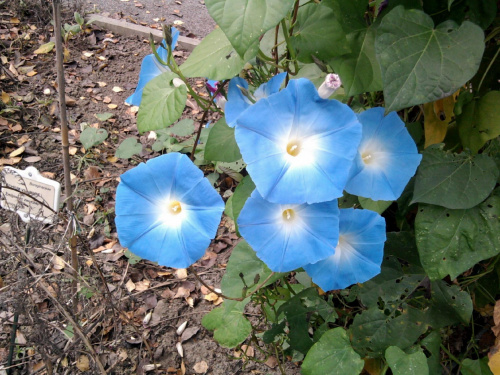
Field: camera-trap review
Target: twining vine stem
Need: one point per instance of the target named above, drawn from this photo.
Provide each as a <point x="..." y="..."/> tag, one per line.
<point x="191" y="268"/>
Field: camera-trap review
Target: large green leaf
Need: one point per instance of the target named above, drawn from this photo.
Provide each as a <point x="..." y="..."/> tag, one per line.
<point x="318" y="33"/>
<point x="215" y="58"/>
<point x="221" y="144"/>
<point x="476" y="367"/>
<point x="301" y="311"/>
<point x="162" y="103"/>
<point x="452" y="241"/>
<point x="373" y="331"/>
<point x="406" y="364"/>
<point x="393" y="290"/>
<point x="449" y="305"/>
<point x="244" y="21"/>
<point x="333" y="355"/>
<point x="228" y="322"/>
<point x="456" y="181"/>
<point x="402" y="245"/>
<point x="358" y="69"/>
<point x="482" y="12"/>
<point x="480" y="121"/>
<point x="421" y="63"/>
<point x="432" y="343"/>
<point x="244" y="262"/>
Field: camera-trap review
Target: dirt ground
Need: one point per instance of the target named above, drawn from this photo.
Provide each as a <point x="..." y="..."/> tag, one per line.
<point x="128" y="311"/>
<point x="192" y="15"/>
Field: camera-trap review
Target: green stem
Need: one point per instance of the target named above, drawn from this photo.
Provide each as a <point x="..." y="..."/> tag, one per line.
<point x="384" y="369"/>
<point x="288" y="286"/>
<point x="290" y="49"/>
<point x="444" y="349"/>
<point x="268" y="60"/>
<point x="278" y="359"/>
<point x="488" y="69"/>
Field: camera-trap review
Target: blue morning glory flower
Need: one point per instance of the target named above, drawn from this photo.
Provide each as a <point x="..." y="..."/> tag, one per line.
<point x="298" y="147"/>
<point x="387" y="157"/>
<point x="237" y="102"/>
<point x="358" y="254"/>
<point x="151" y="68"/>
<point x="288" y="236"/>
<point x="166" y="211"/>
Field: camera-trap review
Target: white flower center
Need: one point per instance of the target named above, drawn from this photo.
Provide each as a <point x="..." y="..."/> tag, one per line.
<point x="175" y="207"/>
<point x="171" y="213"/>
<point x="367" y="157"/>
<point x="288" y="215"/>
<point x="293" y="148"/>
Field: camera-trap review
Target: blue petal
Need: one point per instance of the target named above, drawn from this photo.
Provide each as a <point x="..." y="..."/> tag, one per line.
<point x="394" y="157"/>
<point x="270" y="87"/>
<point x="329" y="132"/>
<point x="155" y="179"/>
<point x="236" y="101"/>
<point x="141" y="200"/>
<point x="358" y="255"/>
<point x="150" y="68"/>
<point x="285" y="246"/>
<point x="162" y="49"/>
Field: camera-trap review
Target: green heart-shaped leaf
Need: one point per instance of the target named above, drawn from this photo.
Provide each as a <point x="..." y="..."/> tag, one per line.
<point x="421" y="63"/>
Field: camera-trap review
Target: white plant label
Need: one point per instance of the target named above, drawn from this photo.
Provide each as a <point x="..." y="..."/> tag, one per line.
<point x="29" y="194"/>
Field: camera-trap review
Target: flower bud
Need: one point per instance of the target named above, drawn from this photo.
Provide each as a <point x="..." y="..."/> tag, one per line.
<point x="331" y="84"/>
<point x="177" y="82"/>
<point x="167" y="35"/>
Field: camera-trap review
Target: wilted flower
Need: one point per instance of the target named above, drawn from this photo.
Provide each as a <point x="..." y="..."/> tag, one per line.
<point x="387" y="157"/>
<point x="237" y="102"/>
<point x="358" y="254"/>
<point x="220" y="100"/>
<point x="151" y="68"/>
<point x="166" y="211"/>
<point x="287" y="236"/>
<point x="298" y="147"/>
<point x="329" y="86"/>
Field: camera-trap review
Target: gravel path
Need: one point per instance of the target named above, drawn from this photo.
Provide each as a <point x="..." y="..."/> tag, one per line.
<point x="197" y="23"/>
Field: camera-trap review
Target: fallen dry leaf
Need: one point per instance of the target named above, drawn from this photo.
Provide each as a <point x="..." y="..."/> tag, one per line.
<point x="494" y="354"/>
<point x="117" y="89"/>
<point x="25" y="138"/>
<point x="92" y="173"/>
<point x="10" y="161"/>
<point x="211" y="297"/>
<point x="112" y="106"/>
<point x="5" y="97"/>
<point x="17" y="152"/>
<point x="271" y="362"/>
<point x="181" y="273"/>
<point x="83" y="363"/>
<point x="200" y="367"/>
<point x="58" y="263"/>
<point x="189" y="332"/>
<point x="32" y="159"/>
<point x="142" y="285"/>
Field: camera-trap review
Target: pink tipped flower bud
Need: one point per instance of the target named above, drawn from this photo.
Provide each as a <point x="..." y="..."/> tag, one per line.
<point x="331" y="84"/>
